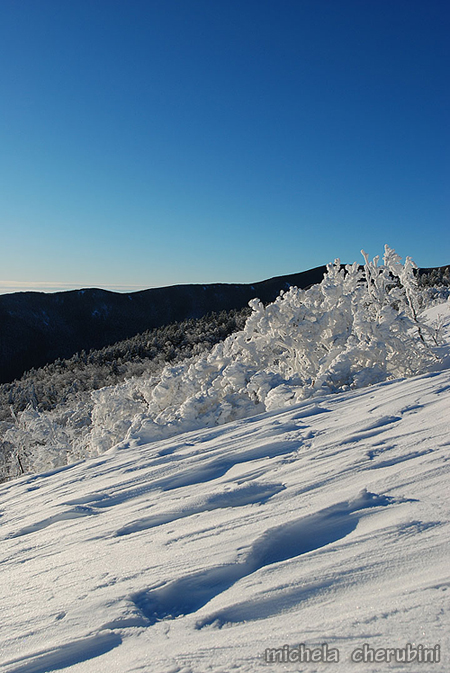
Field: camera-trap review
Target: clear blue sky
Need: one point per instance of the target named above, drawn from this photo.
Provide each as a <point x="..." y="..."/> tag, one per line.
<point x="156" y="142"/>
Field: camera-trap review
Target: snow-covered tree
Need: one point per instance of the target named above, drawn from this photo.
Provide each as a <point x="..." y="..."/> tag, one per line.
<point x="359" y="326"/>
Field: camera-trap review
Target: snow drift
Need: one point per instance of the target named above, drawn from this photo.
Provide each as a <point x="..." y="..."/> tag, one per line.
<point x="324" y="523"/>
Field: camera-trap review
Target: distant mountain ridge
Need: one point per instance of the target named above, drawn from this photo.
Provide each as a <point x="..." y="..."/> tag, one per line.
<point x="37" y="327"/>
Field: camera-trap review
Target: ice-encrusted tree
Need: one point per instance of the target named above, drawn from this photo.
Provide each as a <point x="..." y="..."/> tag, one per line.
<point x="359" y="326"/>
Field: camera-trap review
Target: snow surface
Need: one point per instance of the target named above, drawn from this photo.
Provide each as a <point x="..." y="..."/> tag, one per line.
<point x="327" y="522"/>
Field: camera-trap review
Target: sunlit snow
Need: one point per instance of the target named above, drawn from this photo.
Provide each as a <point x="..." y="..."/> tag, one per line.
<point x="325" y="523"/>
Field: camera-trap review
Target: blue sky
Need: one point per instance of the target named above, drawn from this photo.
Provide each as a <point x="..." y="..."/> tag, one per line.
<point x="158" y="142"/>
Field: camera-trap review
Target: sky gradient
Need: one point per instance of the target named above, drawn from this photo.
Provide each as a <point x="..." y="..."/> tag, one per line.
<point x="158" y="142"/>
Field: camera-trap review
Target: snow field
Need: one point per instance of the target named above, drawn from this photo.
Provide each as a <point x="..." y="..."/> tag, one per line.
<point x="326" y="522"/>
<point x="206" y="535"/>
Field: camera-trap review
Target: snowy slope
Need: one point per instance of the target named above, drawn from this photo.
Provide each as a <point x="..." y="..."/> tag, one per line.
<point x="324" y="523"/>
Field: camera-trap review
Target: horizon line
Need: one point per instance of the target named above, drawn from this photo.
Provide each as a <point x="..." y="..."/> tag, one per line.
<point x="13" y="286"/>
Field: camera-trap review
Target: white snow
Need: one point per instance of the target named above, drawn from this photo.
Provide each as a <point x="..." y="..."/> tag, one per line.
<point x="324" y="523"/>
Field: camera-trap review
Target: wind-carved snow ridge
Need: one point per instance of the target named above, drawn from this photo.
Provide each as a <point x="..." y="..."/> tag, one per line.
<point x="67" y="655"/>
<point x="243" y="494"/>
<point x="325" y="522"/>
<point x="74" y="513"/>
<point x="295" y="538"/>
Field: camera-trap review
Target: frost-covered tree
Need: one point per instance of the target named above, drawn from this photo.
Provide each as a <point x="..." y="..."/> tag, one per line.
<point x="62" y="392"/>
<point x="359" y="326"/>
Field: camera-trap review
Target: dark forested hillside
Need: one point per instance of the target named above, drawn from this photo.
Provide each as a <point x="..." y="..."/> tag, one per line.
<point x="64" y="380"/>
<point x="37" y="328"/>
